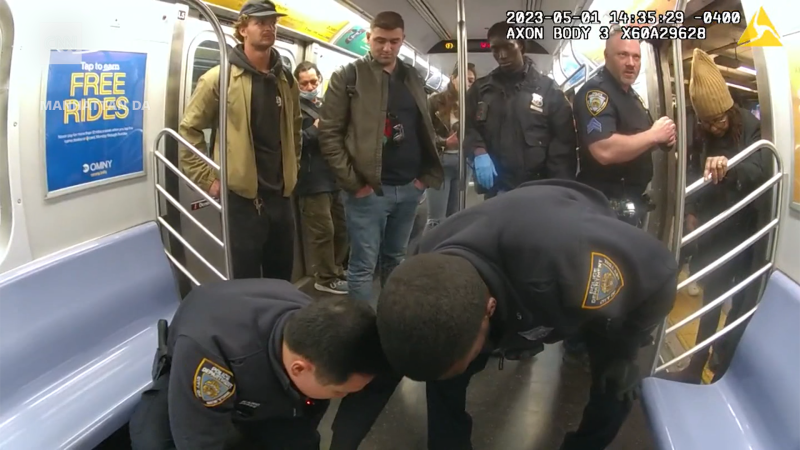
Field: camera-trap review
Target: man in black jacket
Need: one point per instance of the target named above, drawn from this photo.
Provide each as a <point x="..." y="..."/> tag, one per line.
<point x="546" y="260"/>
<point x="320" y="198"/>
<point x="254" y="362"/>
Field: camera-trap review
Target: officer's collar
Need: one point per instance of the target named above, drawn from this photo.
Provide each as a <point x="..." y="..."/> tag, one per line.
<point x="275" y="351"/>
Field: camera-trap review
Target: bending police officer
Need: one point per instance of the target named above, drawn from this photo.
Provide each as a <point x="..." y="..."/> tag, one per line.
<point x="616" y="134"/>
<point x="518" y="123"/>
<point x="499" y="276"/>
<point x="252" y="362"/>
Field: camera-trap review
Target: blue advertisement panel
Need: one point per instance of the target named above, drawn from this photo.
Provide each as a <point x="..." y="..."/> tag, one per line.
<point x="94" y="117"/>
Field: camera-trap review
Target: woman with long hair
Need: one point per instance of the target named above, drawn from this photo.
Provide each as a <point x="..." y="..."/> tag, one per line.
<point x="443" y="108"/>
<point x="723" y="130"/>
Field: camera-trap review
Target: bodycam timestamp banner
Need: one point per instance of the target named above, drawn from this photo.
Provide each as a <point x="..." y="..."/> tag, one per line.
<point x="94" y="118"/>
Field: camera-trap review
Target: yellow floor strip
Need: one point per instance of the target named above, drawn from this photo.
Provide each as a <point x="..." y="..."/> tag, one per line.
<point x="685" y="305"/>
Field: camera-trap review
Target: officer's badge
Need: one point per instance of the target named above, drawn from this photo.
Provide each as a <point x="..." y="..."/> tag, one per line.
<point x="596" y="101"/>
<point x="537" y="102"/>
<point x="278" y="101"/>
<point x="605" y="282"/>
<point x="213" y="384"/>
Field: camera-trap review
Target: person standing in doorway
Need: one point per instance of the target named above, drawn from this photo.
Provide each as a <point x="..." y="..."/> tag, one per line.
<point x="263" y="127"/>
<point x="444" y="111"/>
<point x="320" y="201"/>
<point x="376" y="133"/>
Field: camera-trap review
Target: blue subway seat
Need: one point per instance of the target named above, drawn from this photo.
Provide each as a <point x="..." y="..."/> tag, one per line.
<point x="77" y="339"/>
<point x="756" y="403"/>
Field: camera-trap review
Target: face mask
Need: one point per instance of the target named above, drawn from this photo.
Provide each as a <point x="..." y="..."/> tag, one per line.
<point x="310" y="95"/>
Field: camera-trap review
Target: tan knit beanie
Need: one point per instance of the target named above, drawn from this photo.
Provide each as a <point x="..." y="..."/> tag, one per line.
<point x="707" y="89"/>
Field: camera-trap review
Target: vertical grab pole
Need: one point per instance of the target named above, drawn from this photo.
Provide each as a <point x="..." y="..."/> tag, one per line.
<point x="461" y="51"/>
<point x="680" y="188"/>
<point x="222" y="130"/>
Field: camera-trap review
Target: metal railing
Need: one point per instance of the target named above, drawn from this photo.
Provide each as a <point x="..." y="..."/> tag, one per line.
<point x="222" y="168"/>
<point x="461" y="54"/>
<point x="772" y="227"/>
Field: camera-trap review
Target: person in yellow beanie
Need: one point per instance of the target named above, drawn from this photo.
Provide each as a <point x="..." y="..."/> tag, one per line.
<point x="723" y="129"/>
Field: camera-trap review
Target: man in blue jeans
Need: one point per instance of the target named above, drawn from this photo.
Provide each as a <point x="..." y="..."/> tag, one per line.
<point x="382" y="152"/>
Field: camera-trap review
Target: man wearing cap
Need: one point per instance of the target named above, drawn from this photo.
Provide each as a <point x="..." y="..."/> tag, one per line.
<point x="723" y="129"/>
<point x="264" y="136"/>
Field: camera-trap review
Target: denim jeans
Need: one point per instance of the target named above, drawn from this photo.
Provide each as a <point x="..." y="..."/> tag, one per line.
<point x="442" y="202"/>
<point x="378" y="227"/>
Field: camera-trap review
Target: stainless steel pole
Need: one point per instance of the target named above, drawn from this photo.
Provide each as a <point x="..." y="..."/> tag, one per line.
<point x="222" y="130"/>
<point x="461" y="52"/>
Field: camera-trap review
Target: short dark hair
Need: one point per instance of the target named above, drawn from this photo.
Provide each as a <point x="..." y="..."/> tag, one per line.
<point x="339" y="336"/>
<point x="430" y="313"/>
<point x="499" y="30"/>
<point x="388" y="20"/>
<point x="305" y="66"/>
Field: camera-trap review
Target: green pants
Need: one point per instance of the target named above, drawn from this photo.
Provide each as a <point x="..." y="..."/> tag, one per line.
<point x="323" y="220"/>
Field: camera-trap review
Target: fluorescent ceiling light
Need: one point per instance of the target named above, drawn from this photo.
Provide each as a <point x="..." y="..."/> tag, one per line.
<point x="736" y="86"/>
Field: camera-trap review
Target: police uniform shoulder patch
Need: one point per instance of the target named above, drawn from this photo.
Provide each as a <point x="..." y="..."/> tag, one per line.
<point x="605" y="282"/>
<point x="213" y="384"/>
<point x="596" y="101"/>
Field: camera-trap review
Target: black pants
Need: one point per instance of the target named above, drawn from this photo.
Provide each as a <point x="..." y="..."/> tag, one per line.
<point x="450" y="425"/>
<point x="150" y="429"/>
<point x="262" y="236"/>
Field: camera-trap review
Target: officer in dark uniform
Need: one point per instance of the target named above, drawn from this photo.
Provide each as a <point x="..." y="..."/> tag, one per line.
<point x="518" y="123"/>
<point x="543" y="261"/>
<point x="253" y="362"/>
<point x="616" y="133"/>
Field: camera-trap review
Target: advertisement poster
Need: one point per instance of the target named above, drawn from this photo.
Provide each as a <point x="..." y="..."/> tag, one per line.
<point x="94" y="118"/>
<point x="793" y="53"/>
<point x="354" y="40"/>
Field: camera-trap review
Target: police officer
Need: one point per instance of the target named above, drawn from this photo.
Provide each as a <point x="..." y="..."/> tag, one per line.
<point x="518" y="123"/>
<point x="616" y="133"/>
<point x="497" y="275"/>
<point x="253" y="362"/>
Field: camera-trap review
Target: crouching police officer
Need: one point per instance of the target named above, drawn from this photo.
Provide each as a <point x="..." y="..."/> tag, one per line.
<point x="559" y="262"/>
<point x="252" y="363"/>
<point x="616" y="133"/>
<point x="518" y="123"/>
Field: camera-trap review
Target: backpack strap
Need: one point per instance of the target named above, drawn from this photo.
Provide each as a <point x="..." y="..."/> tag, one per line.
<point x="350" y="78"/>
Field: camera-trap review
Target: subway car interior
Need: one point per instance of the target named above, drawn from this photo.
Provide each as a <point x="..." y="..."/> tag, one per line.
<point x="95" y="250"/>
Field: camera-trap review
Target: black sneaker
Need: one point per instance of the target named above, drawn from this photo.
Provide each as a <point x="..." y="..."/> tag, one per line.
<point x="338" y="287"/>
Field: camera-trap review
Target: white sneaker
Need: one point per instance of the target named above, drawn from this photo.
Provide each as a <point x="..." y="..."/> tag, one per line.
<point x="338" y="287"/>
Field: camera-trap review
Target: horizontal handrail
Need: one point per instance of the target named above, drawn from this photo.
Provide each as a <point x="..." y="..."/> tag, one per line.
<point x="708" y="341"/>
<point x="191" y="183"/>
<point x="750" y="198"/>
<point x="191" y="249"/>
<point x="179" y="138"/>
<point x="730" y="255"/>
<point x="183" y="210"/>
<point x="730" y="293"/>
<point x="741" y="156"/>
<point x="181" y="268"/>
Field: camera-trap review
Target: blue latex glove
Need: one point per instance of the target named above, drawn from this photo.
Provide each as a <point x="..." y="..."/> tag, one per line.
<point x="484" y="171"/>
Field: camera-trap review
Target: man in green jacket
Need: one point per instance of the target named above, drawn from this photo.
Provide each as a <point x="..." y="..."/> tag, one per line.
<point x="264" y="127"/>
<point x="376" y="133"/>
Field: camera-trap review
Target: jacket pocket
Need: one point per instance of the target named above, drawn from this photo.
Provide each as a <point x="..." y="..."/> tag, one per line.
<point x="534" y="152"/>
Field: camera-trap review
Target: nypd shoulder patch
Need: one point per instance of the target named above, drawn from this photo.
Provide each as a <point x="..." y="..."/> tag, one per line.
<point x="596" y="101"/>
<point x="213" y="384"/>
<point x="605" y="282"/>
